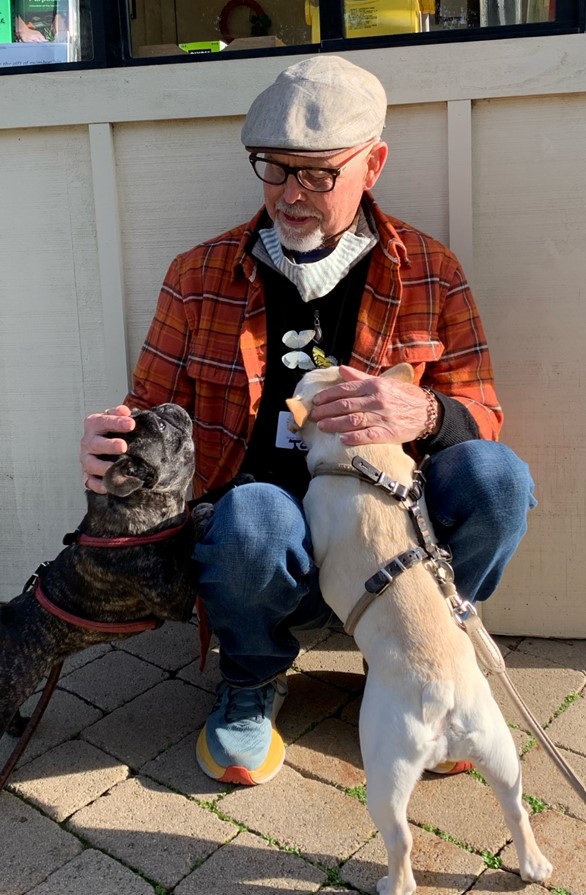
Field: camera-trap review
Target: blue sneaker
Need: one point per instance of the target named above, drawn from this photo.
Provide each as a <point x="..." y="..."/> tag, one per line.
<point x="239" y="743"/>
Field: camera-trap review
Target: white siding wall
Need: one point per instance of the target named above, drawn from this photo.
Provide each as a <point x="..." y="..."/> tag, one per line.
<point x="106" y="175"/>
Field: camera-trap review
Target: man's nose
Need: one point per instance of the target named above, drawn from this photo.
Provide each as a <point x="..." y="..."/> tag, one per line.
<point x="292" y="190"/>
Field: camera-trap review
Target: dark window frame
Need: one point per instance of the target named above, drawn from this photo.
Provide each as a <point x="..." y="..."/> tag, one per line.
<point x="112" y="43"/>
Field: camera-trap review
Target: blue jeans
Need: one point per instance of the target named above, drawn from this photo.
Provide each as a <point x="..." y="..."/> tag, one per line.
<point x="259" y="583"/>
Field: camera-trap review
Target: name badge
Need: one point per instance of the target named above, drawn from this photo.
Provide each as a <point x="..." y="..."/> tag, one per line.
<point x="285" y="437"/>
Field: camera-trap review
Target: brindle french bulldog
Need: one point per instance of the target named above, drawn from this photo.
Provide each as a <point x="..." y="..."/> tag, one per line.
<point x="146" y="493"/>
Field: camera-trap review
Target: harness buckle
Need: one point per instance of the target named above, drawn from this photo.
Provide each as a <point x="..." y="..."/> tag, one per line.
<point x="379" y="479"/>
<point x="31" y="583"/>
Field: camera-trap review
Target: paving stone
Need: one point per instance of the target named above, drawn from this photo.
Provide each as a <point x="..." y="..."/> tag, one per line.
<point x="331" y="753"/>
<point x="351" y="712"/>
<point x="209" y="678"/>
<point x="66" y="778"/>
<point x="310" y="700"/>
<point x="250" y="866"/>
<point x="562" y="840"/>
<point x="567" y="653"/>
<point x="84" y="657"/>
<point x="569" y="728"/>
<point x="506" y="644"/>
<point x="493" y="882"/>
<point x="129" y="732"/>
<point x="324" y="823"/>
<point x="462" y="807"/>
<point x="171" y="646"/>
<point x="177" y="768"/>
<point x="65" y="716"/>
<point x="439" y="867"/>
<point x="310" y="639"/>
<point x="32" y="846"/>
<point x="112" y="680"/>
<point x="336" y="890"/>
<point x="542" y="779"/>
<point x="93" y="873"/>
<point x="338" y="654"/>
<point x="154" y="831"/>
<point x="542" y="684"/>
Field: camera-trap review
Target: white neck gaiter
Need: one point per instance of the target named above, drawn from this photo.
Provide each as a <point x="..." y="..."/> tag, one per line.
<point x="317" y="278"/>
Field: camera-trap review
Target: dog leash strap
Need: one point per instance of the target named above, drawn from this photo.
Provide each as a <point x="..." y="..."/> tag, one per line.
<point x="32" y="725"/>
<point x="135" y="627"/>
<point x="490" y="656"/>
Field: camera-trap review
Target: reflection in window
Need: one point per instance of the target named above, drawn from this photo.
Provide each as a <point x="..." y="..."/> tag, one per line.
<point x="373" y="18"/>
<point x="42" y="32"/>
<point x="163" y="27"/>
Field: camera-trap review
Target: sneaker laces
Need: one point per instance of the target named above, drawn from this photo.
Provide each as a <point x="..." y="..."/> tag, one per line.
<point x="246" y="704"/>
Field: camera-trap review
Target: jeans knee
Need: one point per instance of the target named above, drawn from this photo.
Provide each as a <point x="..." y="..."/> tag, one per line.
<point x="484" y="477"/>
<point x="257" y="525"/>
<point x="503" y="482"/>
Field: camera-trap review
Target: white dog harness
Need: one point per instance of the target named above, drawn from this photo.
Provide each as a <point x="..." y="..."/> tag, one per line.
<point x="437" y="557"/>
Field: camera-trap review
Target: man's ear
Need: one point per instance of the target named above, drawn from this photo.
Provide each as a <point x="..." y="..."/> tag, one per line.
<point x="299" y="412"/>
<point x="376" y="162"/>
<point x="403" y="372"/>
<point x="128" y="474"/>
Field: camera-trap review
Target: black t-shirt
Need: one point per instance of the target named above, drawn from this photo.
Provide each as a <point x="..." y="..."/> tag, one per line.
<point x="337" y="313"/>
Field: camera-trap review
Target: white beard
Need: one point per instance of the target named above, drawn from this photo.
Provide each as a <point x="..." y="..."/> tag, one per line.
<point x="290" y="239"/>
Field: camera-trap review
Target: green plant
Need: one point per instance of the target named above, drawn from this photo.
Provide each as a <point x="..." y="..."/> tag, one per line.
<point x="493" y="862"/>
<point x="357" y="792"/>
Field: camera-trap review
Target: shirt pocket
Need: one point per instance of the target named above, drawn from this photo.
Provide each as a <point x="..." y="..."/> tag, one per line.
<point x="416" y="347"/>
<point x="221" y="406"/>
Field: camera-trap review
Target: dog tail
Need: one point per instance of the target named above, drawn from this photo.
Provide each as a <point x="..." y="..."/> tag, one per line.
<point x="437" y="699"/>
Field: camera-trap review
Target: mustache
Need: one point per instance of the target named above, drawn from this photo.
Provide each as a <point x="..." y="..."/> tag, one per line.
<point x="297" y="210"/>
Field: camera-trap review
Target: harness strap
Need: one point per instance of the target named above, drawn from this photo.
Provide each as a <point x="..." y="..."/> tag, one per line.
<point x="134" y="627"/>
<point x="364" y="471"/>
<point x="378" y="583"/>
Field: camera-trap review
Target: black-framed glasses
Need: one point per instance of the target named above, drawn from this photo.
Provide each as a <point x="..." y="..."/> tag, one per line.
<point x="317" y="180"/>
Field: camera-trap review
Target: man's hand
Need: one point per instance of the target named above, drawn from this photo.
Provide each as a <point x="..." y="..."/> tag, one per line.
<point x="94" y="443"/>
<point x="366" y="409"/>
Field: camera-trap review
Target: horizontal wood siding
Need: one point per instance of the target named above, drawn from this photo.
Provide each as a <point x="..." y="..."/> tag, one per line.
<point x="106" y="175"/>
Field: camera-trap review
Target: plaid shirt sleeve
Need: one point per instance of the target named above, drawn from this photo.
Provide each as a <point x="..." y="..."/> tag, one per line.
<point x="437" y="327"/>
<point x="464" y="370"/>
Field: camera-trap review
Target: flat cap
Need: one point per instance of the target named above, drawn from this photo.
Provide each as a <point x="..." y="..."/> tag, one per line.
<point x="321" y="104"/>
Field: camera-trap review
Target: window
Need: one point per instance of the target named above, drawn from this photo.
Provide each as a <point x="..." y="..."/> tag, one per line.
<point x="96" y="33"/>
<point x="44" y="32"/>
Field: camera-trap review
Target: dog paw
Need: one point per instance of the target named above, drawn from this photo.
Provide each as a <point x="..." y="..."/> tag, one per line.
<point x="536" y="869"/>
<point x="18" y="725"/>
<point x="201" y="515"/>
<point x="385" y="887"/>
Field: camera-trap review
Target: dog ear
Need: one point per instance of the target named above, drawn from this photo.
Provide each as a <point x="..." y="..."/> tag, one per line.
<point x="299" y="412"/>
<point x="404" y="372"/>
<point x="128" y="474"/>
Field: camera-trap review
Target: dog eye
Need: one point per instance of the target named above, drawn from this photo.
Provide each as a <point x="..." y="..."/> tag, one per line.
<point x="162" y="425"/>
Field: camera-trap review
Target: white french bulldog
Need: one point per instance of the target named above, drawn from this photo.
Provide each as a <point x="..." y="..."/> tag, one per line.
<point x="425" y="699"/>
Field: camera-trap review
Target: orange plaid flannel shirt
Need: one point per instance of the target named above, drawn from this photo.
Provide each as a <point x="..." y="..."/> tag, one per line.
<point x="206" y="346"/>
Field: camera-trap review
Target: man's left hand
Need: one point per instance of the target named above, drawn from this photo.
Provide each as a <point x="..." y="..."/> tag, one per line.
<point x="371" y="409"/>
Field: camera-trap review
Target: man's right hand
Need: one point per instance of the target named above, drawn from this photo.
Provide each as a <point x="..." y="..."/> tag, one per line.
<point x="95" y="444"/>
